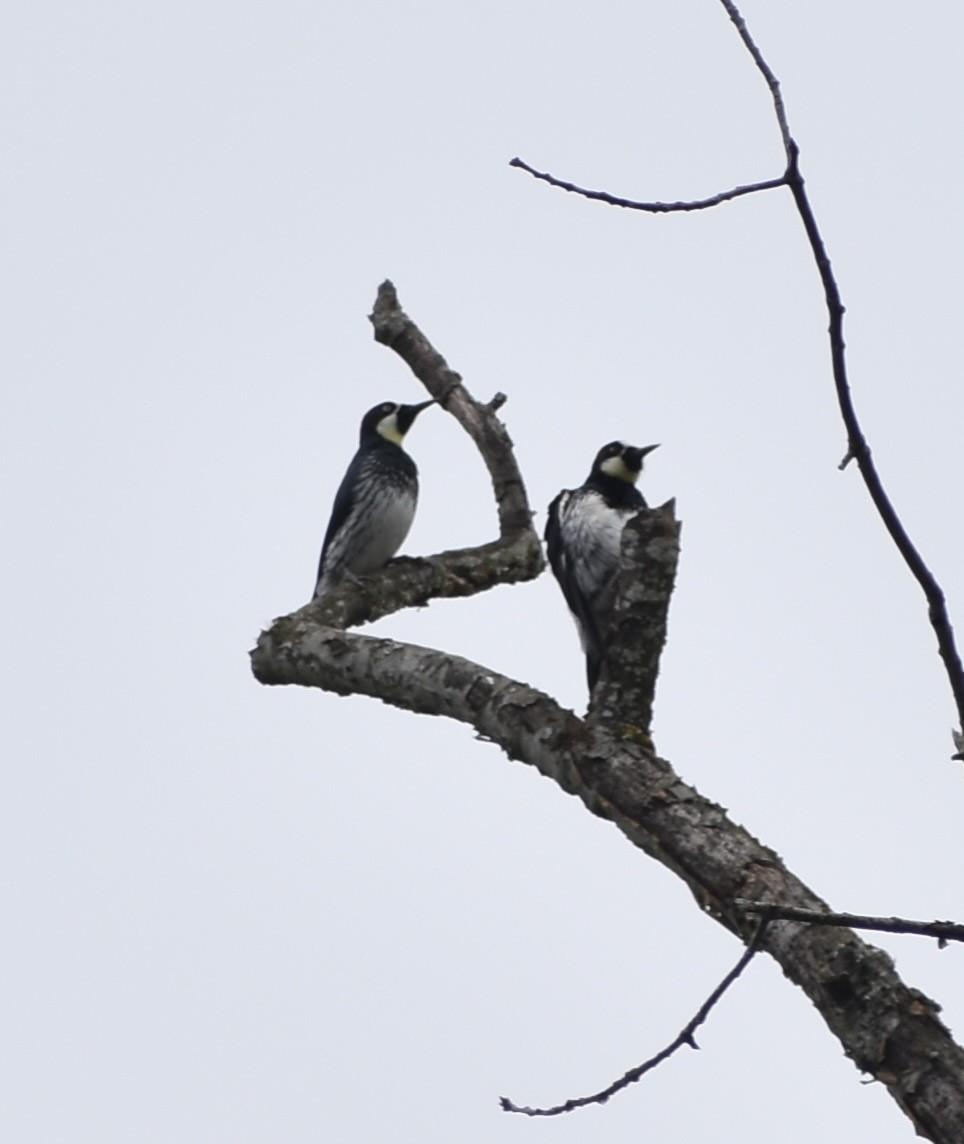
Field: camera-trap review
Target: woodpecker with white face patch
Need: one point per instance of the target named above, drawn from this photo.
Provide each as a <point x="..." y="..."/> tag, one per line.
<point x="375" y="503"/>
<point x="583" y="535"/>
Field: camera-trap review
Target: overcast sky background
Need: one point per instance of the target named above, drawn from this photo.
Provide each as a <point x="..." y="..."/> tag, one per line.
<point x="248" y="915"/>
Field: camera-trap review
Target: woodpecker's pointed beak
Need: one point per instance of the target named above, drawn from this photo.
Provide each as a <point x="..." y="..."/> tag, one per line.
<point x="405" y="417"/>
<point x="633" y="458"/>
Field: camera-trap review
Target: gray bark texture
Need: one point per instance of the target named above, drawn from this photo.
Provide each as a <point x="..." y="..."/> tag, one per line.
<point x="890" y="1031"/>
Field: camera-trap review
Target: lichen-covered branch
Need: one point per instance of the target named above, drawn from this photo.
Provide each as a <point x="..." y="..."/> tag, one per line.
<point x="413" y="582"/>
<point x="395" y="329"/>
<point x="607" y="760"/>
<point x="890" y="1031"/>
<point x="638" y="619"/>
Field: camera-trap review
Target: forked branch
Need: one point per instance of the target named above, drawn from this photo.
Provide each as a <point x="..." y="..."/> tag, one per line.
<point x="944" y="931"/>
<point x="857" y="447"/>
<point x="395" y="329"/>
<point x="607" y="760"/>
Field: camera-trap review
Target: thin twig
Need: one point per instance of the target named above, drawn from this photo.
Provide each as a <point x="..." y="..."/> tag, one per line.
<point x="652" y="208"/>
<point x="684" y="1037"/>
<point x="772" y="911"/>
<point x="857" y="447"/>
<point x="771" y="80"/>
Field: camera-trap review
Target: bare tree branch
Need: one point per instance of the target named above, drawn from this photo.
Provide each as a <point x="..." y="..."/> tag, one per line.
<point x="889" y="1031"/>
<point x="857" y="447"/>
<point x="771" y="80"/>
<point x="650" y="207"/>
<point x="395" y="329"/>
<point x="413" y="582"/>
<point x="943" y="931"/>
<point x="686" y="1036"/>
<point x="608" y="761"/>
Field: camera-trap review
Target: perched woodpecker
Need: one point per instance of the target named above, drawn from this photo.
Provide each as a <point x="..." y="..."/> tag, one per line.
<point x="583" y="535"/>
<point x="375" y="503"/>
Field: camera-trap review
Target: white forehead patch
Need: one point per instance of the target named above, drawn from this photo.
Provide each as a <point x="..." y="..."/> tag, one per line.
<point x="388" y="428"/>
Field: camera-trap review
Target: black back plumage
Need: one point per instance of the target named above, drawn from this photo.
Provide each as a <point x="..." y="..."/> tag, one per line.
<point x="375" y="503"/>
<point x="583" y="536"/>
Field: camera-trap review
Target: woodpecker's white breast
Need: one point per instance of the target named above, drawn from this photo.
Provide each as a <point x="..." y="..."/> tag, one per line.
<point x="374" y="531"/>
<point x="381" y="527"/>
<point x="591" y="532"/>
<point x="374" y="510"/>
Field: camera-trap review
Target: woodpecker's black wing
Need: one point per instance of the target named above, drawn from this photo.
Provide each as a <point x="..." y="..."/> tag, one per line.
<point x="575" y="577"/>
<point x="341" y="509"/>
<point x="562" y="563"/>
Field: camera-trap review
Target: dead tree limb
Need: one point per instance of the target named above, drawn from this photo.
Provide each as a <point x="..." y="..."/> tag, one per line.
<point x="607" y="760"/>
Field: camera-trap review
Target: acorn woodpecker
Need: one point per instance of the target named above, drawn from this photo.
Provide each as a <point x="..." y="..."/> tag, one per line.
<point x="375" y="503"/>
<point x="583" y="535"/>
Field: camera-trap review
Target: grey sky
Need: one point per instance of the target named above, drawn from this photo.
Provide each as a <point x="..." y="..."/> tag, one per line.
<point x="235" y="914"/>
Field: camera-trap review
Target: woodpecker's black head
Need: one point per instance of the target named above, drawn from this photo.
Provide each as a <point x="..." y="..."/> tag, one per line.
<point x="620" y="461"/>
<point x="390" y="421"/>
